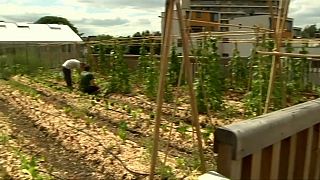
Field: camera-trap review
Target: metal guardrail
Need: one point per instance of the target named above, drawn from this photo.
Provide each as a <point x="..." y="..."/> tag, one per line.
<point x="281" y="145"/>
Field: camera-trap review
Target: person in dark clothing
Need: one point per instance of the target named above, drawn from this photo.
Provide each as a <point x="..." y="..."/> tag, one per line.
<point x="87" y="84"/>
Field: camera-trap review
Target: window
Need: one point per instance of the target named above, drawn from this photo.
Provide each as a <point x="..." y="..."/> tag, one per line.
<point x="198" y="14"/>
<point x="195" y="29"/>
<point x="289" y="26"/>
<point x="187" y="14"/>
<point x="224" y="29"/>
<point x="22" y="25"/>
<point x="54" y="26"/>
<point x="214" y="17"/>
<point x="225" y="55"/>
<point x="225" y="40"/>
<point x="179" y="44"/>
<point x="224" y="21"/>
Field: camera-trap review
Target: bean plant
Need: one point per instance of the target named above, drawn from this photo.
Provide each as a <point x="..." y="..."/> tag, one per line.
<point x="209" y="81"/>
<point x="118" y="72"/>
<point x="255" y="99"/>
<point x="174" y="67"/>
<point x="238" y="69"/>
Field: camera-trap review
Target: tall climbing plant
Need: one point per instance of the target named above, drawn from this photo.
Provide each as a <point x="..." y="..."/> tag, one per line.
<point x="119" y="73"/>
<point x="239" y="70"/>
<point x="209" y="82"/>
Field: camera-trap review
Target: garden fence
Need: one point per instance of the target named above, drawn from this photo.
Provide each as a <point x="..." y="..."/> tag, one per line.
<point x="280" y="145"/>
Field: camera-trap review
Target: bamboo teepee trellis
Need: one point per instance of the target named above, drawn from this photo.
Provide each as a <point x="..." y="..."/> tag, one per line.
<point x="163" y="71"/>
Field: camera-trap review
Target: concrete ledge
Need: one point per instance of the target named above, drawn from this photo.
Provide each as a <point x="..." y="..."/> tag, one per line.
<point x="212" y="175"/>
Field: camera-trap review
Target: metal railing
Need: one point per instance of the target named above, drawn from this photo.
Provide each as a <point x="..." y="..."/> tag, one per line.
<point x="281" y="145"/>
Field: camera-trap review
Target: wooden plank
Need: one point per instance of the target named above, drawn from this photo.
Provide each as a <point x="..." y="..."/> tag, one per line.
<point x="314" y="150"/>
<point x="300" y="154"/>
<point x="275" y="161"/>
<point x="317" y="166"/>
<point x="307" y="161"/>
<point x="284" y="158"/>
<point x="226" y="166"/>
<point x="236" y="166"/>
<point x="290" y="54"/>
<point x="224" y="159"/>
<point x="256" y="165"/>
<point x="247" y="167"/>
<point x="292" y="155"/>
<point x="266" y="161"/>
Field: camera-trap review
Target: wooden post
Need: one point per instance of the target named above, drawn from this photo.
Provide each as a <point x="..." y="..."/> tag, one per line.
<point x="194" y="108"/>
<point x="163" y="71"/>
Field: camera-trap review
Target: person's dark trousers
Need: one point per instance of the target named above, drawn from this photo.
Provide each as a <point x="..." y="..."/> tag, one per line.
<point x="67" y="76"/>
<point x="92" y="90"/>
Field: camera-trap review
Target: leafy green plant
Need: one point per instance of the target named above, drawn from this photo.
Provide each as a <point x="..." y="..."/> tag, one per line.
<point x="102" y="59"/>
<point x="261" y="65"/>
<point x="122" y="130"/>
<point x="143" y="62"/>
<point x="183" y="129"/>
<point x="30" y="166"/>
<point x="174" y="67"/>
<point x="239" y="72"/>
<point x="4" y="139"/>
<point x="209" y="83"/>
<point x="208" y="131"/>
<point x="165" y="171"/>
<point x="119" y="73"/>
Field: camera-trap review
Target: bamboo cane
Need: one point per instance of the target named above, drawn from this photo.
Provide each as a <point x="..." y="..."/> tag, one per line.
<point x="194" y="108"/>
<point x="290" y="54"/>
<point x="163" y="71"/>
<point x="275" y="58"/>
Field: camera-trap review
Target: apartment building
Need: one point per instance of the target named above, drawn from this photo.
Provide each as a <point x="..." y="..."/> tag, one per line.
<point x="226" y="10"/>
<point x="221" y="15"/>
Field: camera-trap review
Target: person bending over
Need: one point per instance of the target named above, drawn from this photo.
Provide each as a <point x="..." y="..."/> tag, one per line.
<point x="87" y="84"/>
<point x="67" y="68"/>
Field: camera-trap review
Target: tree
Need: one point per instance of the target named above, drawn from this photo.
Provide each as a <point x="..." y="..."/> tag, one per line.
<point x="145" y="33"/>
<point x="57" y="20"/>
<point x="310" y="31"/>
<point x="157" y="33"/>
<point x="104" y="37"/>
<point x="137" y="34"/>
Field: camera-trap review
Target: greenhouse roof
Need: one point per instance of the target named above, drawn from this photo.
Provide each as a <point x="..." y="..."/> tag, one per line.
<point x="28" y="32"/>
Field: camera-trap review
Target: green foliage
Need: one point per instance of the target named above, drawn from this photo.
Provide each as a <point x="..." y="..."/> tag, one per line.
<point x="183" y="129"/>
<point x="165" y="171"/>
<point x="149" y="73"/>
<point x="239" y="72"/>
<point x="255" y="99"/>
<point x="7" y="71"/>
<point x="208" y="131"/>
<point x="102" y="37"/>
<point x="102" y="59"/>
<point x="151" y="79"/>
<point x="310" y="31"/>
<point x="122" y="130"/>
<point x="57" y="20"/>
<point x="4" y="139"/>
<point x="174" y="67"/>
<point x="24" y="88"/>
<point x="209" y="83"/>
<point x="119" y="73"/>
<point x="143" y="62"/>
<point x="30" y="166"/>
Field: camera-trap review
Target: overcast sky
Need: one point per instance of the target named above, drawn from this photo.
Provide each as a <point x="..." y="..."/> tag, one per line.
<point x="121" y="17"/>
